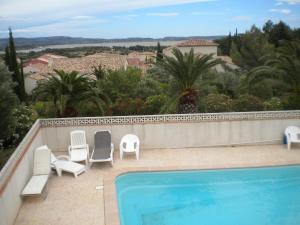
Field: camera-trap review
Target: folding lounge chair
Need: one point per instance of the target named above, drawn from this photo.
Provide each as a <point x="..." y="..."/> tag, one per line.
<point x="62" y="163"/>
<point x="292" y="134"/>
<point x="41" y="171"/>
<point x="79" y="149"/>
<point x="104" y="148"/>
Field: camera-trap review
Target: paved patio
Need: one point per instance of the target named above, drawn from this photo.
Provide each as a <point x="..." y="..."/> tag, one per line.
<point x="78" y="201"/>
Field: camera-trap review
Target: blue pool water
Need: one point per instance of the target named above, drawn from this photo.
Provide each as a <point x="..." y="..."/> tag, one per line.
<point x="260" y="196"/>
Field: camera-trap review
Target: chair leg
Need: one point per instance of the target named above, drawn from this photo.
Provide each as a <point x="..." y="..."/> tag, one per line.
<point x="289" y="145"/>
<point x="137" y="155"/>
<point x="59" y="172"/>
<point x="121" y="154"/>
<point x="45" y="191"/>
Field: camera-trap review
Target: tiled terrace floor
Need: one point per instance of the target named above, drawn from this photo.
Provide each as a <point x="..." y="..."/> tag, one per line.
<point x="76" y="201"/>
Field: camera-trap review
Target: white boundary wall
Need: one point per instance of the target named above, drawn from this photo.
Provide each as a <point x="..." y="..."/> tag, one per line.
<point x="16" y="173"/>
<point x="177" y="131"/>
<point x="161" y="131"/>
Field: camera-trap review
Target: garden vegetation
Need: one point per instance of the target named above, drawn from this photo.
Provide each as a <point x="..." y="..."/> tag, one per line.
<point x="267" y="77"/>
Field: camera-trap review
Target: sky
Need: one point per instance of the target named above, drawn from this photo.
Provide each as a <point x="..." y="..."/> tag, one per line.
<point x="141" y="18"/>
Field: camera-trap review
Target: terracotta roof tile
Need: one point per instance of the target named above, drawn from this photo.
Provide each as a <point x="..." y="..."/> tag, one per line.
<point x="85" y="64"/>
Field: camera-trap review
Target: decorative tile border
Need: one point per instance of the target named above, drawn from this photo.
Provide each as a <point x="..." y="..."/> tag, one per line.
<point x="168" y="118"/>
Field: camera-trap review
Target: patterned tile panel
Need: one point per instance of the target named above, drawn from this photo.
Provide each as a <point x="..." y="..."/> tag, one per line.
<point x="174" y="118"/>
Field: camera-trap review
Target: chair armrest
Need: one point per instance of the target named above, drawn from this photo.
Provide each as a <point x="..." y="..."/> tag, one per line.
<point x="69" y="149"/>
<point x="112" y="150"/>
<point x="112" y="147"/>
<point x="288" y="136"/>
<point x="88" y="151"/>
<point x="63" y="157"/>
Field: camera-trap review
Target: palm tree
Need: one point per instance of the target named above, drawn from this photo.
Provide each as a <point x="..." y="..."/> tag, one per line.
<point x="186" y="69"/>
<point x="284" y="67"/>
<point x="65" y="90"/>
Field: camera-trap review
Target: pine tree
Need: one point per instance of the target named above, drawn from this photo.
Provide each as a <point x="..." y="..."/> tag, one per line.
<point x="159" y="53"/>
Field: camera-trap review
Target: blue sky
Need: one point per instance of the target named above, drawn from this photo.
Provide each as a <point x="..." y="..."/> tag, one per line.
<point x="141" y="18"/>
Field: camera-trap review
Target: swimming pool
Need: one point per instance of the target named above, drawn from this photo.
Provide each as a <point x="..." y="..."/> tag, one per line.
<point x="258" y="196"/>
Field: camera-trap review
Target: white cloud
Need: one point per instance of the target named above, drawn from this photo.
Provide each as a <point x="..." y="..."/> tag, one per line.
<point x="127" y="17"/>
<point x="283" y="11"/>
<point x="17" y="31"/>
<point x="163" y="14"/>
<point x="70" y="8"/>
<point x="290" y="2"/>
<point x="279" y="3"/>
<point x="83" y="17"/>
<point x="241" y="18"/>
<point x="208" y="13"/>
<point x="56" y="28"/>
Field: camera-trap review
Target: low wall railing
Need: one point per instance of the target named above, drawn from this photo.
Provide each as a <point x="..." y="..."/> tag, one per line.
<point x="170" y="118"/>
<point x="11" y="165"/>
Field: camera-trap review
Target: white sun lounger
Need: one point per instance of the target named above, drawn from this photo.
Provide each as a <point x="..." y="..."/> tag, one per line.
<point x="104" y="148"/>
<point x="62" y="163"/>
<point x="41" y="171"/>
<point x="292" y="134"/>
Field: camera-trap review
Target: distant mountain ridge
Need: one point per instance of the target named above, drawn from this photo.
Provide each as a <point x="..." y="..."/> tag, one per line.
<point x="26" y="43"/>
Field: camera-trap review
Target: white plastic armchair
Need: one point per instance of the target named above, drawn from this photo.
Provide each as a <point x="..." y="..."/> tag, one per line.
<point x="292" y="134"/>
<point x="79" y="149"/>
<point x="130" y="143"/>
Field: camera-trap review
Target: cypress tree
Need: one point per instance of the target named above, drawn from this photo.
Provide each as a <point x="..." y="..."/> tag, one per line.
<point x="7" y="57"/>
<point x="21" y="82"/>
<point x="159" y="53"/>
<point x="14" y="67"/>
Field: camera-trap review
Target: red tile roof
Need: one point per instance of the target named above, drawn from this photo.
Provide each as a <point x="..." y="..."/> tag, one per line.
<point x="133" y="62"/>
<point x="196" y="42"/>
<point x="35" y="61"/>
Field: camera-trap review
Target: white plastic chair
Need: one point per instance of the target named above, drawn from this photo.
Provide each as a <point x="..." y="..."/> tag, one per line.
<point x="41" y="170"/>
<point x="130" y="143"/>
<point x="292" y="134"/>
<point x="79" y="149"/>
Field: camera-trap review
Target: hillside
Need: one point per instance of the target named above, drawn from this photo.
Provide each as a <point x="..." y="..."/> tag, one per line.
<point x="26" y="43"/>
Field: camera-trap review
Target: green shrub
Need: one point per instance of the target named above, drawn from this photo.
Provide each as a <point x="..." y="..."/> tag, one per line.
<point x="247" y="103"/>
<point x="273" y="104"/>
<point x="218" y="103"/>
<point x="44" y="109"/>
<point x="262" y="90"/>
<point x="127" y="106"/>
<point x="154" y="104"/>
<point x="147" y="87"/>
<point x="25" y="117"/>
<point x="291" y="102"/>
<point x="88" y="109"/>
